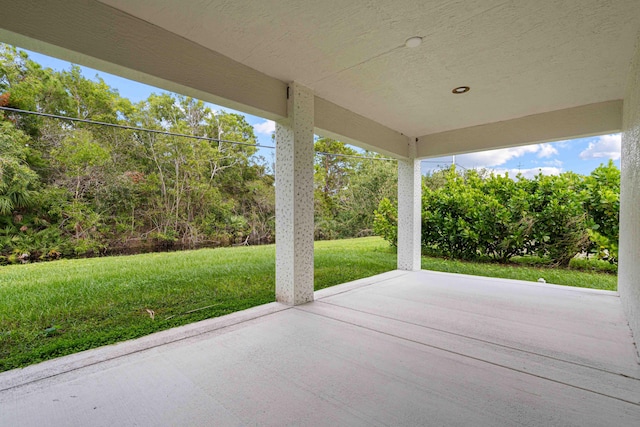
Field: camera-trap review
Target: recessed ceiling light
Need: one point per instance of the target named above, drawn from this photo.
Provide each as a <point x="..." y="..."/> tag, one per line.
<point x="413" y="42"/>
<point x="461" y="89"/>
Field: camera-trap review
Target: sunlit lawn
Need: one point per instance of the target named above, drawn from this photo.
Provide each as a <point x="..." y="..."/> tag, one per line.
<point x="556" y="276"/>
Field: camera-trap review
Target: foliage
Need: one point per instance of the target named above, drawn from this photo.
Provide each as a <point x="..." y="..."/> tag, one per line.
<point x="476" y="216"/>
<point x="454" y="220"/>
<point x="72" y="189"/>
<point x="17" y="181"/>
<point x="348" y="189"/>
<point x="560" y="221"/>
<point x="603" y="207"/>
<point x="332" y="169"/>
<point x="77" y="189"/>
<point x="385" y="223"/>
<point x="370" y="183"/>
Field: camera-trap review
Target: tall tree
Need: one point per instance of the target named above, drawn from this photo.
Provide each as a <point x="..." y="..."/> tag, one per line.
<point x="18" y="183"/>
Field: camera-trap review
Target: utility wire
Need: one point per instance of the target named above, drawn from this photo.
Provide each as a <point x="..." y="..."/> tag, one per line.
<point x="115" y="125"/>
<point x="445" y="162"/>
<point x="356" y="157"/>
<point x="163" y="132"/>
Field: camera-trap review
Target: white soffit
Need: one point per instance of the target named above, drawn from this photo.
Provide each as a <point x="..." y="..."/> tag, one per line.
<point x="520" y="58"/>
<point x="576" y="122"/>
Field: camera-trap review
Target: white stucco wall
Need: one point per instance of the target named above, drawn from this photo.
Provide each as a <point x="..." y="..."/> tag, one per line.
<point x="629" y="266"/>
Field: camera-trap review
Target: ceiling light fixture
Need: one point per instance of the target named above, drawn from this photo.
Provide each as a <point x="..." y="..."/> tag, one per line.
<point x="413" y="42"/>
<point x="461" y="89"/>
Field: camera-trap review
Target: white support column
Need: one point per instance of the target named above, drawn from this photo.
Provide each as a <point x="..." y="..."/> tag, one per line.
<point x="629" y="245"/>
<point x="294" y="199"/>
<point x="409" y="211"/>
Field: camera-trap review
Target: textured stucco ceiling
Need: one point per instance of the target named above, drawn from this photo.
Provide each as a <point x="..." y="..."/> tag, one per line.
<point x="519" y="57"/>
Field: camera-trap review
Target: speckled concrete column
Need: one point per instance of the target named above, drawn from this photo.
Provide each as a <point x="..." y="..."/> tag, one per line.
<point x="294" y="199"/>
<point x="629" y="247"/>
<point x="409" y="206"/>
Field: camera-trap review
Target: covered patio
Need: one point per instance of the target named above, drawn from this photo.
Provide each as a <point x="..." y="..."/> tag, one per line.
<point x="400" y="348"/>
<point x="408" y="347"/>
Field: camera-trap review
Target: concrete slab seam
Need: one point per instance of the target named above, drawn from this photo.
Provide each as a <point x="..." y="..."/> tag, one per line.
<point x="367" y="281"/>
<point x="475" y="358"/>
<point x="471" y="338"/>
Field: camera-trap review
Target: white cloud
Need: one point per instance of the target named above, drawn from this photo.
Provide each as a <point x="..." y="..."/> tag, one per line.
<point x="267" y="127"/>
<point x="546" y="150"/>
<point x="491" y="160"/>
<point x="495" y="157"/>
<point x="554" y="162"/>
<point x="605" y="147"/>
<point x="563" y="143"/>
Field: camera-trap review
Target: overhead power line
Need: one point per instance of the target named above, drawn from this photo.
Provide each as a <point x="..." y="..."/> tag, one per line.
<point x="115" y="125"/>
<point x="164" y="132"/>
<point x="356" y="157"/>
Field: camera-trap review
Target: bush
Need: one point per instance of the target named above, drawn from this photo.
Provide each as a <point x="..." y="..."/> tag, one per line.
<point x="454" y="221"/>
<point x="602" y="190"/>
<point x="385" y="221"/>
<point x="560" y="221"/>
<point x="475" y="217"/>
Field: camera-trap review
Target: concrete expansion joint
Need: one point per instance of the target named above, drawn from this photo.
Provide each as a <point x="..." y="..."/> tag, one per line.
<point x="466" y="355"/>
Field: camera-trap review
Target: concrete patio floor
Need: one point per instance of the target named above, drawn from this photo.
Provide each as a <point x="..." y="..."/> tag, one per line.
<point x="401" y="348"/>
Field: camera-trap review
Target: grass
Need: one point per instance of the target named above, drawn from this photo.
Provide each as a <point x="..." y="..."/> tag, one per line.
<point x="556" y="276"/>
<point x="57" y="308"/>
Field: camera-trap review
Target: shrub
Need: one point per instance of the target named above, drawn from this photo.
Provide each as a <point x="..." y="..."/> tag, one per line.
<point x="454" y="220"/>
<point x="602" y="190"/>
<point x="560" y="221"/>
<point x="476" y="217"/>
<point x="385" y="221"/>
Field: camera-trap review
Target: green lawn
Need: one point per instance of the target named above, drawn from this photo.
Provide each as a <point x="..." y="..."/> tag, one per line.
<point x="62" y="307"/>
<point x="556" y="276"/>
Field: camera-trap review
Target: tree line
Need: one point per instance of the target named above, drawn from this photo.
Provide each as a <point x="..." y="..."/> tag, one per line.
<point x="482" y="216"/>
<point x="69" y="188"/>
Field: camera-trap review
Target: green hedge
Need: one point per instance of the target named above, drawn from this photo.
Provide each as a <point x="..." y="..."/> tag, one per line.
<point x="478" y="216"/>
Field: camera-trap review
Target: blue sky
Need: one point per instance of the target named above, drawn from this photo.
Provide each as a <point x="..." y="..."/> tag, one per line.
<point x="578" y="155"/>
